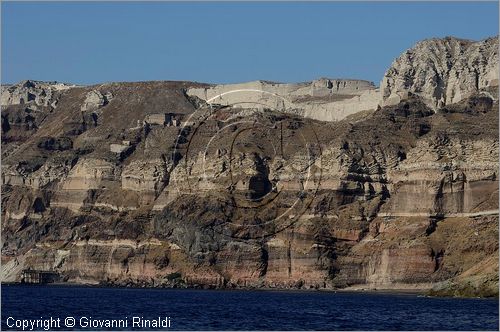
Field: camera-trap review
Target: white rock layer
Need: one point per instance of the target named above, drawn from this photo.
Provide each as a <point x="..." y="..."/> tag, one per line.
<point x="442" y="71"/>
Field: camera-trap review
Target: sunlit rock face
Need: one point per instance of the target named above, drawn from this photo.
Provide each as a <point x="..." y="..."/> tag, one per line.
<point x="153" y="184"/>
<point x="33" y="93"/>
<point x="323" y="99"/>
<point x="442" y="71"/>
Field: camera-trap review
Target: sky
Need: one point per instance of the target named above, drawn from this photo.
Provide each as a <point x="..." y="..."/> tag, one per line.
<point x="91" y="42"/>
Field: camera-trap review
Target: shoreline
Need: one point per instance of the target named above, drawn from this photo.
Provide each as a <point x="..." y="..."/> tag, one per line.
<point x="202" y="287"/>
<point x="411" y="291"/>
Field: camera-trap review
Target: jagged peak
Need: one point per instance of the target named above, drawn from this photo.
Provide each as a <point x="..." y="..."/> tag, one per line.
<point x="442" y="70"/>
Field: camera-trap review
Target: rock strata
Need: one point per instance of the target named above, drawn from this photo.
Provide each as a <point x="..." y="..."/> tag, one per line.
<point x="323" y="99"/>
<point x="158" y="184"/>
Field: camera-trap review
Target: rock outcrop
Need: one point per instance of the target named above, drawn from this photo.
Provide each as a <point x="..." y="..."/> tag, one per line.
<point x="323" y="99"/>
<point x="442" y="71"/>
<point x="107" y="188"/>
<point x="33" y="92"/>
<point x="95" y="100"/>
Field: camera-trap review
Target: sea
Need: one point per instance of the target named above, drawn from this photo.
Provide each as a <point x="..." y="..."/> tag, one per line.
<point x="56" y="307"/>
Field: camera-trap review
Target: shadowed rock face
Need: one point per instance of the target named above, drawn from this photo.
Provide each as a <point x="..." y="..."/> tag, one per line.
<point x="142" y="183"/>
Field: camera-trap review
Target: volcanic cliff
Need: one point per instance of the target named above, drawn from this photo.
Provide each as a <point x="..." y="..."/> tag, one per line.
<point x="329" y="184"/>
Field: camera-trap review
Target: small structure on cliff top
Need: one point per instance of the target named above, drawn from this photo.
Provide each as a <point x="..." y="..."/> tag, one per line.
<point x="163" y="119"/>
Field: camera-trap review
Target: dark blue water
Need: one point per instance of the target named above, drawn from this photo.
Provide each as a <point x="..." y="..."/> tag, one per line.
<point x="248" y="310"/>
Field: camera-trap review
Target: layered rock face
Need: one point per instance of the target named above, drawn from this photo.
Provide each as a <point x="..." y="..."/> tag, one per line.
<point x="442" y="71"/>
<point x="323" y="99"/>
<point x="160" y="184"/>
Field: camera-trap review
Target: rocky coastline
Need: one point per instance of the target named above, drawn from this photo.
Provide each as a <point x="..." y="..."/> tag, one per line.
<point x="334" y="184"/>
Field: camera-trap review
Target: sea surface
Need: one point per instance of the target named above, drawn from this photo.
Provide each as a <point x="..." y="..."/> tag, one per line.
<point x="239" y="310"/>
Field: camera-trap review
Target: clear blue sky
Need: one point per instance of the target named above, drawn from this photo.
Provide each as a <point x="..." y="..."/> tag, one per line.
<point x="93" y="42"/>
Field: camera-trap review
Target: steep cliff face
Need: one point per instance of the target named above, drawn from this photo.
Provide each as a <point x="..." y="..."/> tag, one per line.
<point x="442" y="71"/>
<point x="323" y="99"/>
<point x="145" y="183"/>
